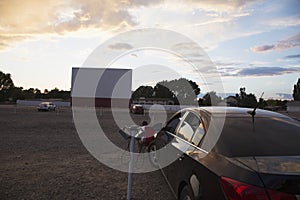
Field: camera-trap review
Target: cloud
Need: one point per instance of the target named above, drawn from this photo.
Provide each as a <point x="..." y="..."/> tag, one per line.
<point x="263" y="48"/>
<point x="6" y="40"/>
<point x="284" y="96"/>
<point x="32" y="18"/>
<point x="257" y="71"/>
<point x="121" y="46"/>
<point x="225" y="64"/>
<point x="284" y="22"/>
<point x="238" y="68"/>
<point x="221" y="5"/>
<point x="25" y="19"/>
<point x="185" y="46"/>
<point x="266" y="71"/>
<point x="288" y="43"/>
<point x="292" y="56"/>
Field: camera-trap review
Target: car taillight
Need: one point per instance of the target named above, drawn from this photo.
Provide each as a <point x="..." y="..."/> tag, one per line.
<point x="235" y="190"/>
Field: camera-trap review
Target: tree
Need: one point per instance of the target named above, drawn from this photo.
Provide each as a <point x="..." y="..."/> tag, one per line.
<point x="143" y="91"/>
<point x="37" y="93"/>
<point x="161" y="91"/>
<point x="211" y="98"/>
<point x="46" y="91"/>
<point x="64" y="94"/>
<point x="246" y="100"/>
<point x="181" y="91"/>
<point x="54" y="93"/>
<point x="5" y="81"/>
<point x="16" y="93"/>
<point x="29" y="94"/>
<point x="296" y="92"/>
<point x="6" y="84"/>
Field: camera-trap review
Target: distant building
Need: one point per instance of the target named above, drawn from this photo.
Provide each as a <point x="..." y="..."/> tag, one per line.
<point x="293" y="106"/>
<point x="101" y="87"/>
<point x="153" y="101"/>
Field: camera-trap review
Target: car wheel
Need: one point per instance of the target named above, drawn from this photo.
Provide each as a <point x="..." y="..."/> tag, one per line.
<point x="153" y="154"/>
<point x="186" y="193"/>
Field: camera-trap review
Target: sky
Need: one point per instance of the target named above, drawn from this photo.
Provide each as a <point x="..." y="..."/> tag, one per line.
<point x="253" y="44"/>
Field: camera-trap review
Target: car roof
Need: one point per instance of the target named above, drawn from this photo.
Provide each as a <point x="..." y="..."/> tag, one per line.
<point x="221" y="111"/>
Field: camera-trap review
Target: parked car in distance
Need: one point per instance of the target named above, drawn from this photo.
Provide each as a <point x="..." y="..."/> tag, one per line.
<point x="46" y="106"/>
<point x="136" y="109"/>
<point x="256" y="156"/>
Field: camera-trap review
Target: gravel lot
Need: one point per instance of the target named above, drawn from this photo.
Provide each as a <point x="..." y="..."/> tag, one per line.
<point x="42" y="157"/>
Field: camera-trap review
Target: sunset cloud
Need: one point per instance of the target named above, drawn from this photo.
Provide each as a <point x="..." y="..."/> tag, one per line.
<point x="30" y="18"/>
<point x="221" y="5"/>
<point x="257" y="71"/>
<point x="34" y="16"/>
<point x="20" y="20"/>
<point x="288" y="43"/>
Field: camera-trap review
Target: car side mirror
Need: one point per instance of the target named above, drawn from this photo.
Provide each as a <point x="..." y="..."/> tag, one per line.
<point x="157" y="126"/>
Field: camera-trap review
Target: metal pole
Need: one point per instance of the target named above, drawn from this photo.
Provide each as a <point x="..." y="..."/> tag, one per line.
<point x="133" y="130"/>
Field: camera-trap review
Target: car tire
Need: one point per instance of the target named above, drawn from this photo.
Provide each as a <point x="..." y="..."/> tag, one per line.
<point x="186" y="193"/>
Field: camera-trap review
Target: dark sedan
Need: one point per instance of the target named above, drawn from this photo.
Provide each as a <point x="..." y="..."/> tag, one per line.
<point x="230" y="153"/>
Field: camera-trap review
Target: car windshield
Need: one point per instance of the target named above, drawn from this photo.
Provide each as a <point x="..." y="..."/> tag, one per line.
<point x="268" y="137"/>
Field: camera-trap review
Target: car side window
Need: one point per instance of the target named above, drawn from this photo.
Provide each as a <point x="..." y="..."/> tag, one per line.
<point x="198" y="135"/>
<point x="173" y="123"/>
<point x="188" y="127"/>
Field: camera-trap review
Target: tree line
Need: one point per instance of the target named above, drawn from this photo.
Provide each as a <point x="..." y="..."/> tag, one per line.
<point x="180" y="91"/>
<point x="185" y="92"/>
<point x="10" y="93"/>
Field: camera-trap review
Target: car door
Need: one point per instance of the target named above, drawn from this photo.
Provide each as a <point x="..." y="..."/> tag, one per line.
<point x="163" y="140"/>
<point x="187" y="136"/>
<point x="193" y="172"/>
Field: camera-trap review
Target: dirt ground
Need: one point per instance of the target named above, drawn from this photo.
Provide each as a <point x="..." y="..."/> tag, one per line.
<point x="42" y="157"/>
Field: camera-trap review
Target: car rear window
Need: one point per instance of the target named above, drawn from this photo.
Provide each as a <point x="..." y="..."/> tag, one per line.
<point x="268" y="137"/>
